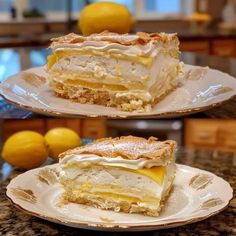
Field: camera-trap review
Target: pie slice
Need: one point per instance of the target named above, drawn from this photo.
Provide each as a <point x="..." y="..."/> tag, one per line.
<point x="127" y="174"/>
<point x="129" y="72"/>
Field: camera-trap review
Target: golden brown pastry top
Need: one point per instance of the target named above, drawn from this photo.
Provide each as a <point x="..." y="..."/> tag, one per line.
<point x="141" y="38"/>
<point x="127" y="147"/>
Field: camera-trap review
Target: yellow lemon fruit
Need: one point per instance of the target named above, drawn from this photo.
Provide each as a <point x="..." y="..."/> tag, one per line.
<point x="25" y="150"/>
<point x="100" y="16"/>
<point x="60" y="140"/>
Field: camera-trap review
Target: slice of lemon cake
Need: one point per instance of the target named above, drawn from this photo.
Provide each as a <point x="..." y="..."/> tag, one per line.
<point x="129" y="72"/>
<point x="127" y="174"/>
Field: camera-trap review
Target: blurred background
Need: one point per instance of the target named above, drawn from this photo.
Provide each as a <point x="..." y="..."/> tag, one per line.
<point x="26" y="27"/>
<point x="200" y="134"/>
<point x="203" y="27"/>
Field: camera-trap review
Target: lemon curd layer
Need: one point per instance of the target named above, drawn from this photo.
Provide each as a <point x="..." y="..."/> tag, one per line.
<point x="90" y="80"/>
<point x="123" y="197"/>
<point x="155" y="173"/>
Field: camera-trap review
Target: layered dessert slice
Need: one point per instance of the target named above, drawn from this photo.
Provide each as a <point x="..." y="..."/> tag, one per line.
<point x="129" y="72"/>
<point x="127" y="174"/>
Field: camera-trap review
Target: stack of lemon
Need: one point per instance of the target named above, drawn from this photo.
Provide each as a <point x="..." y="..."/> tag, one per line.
<point x="29" y="149"/>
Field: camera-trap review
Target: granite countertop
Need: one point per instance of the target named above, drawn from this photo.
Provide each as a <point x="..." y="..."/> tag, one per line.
<point x="16" y="222"/>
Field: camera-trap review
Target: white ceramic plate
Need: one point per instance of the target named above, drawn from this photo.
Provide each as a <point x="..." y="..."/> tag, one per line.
<point x="200" y="89"/>
<point x="196" y="195"/>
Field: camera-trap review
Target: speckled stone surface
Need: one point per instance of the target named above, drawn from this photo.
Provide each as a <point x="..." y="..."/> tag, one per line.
<point x="16" y="222"/>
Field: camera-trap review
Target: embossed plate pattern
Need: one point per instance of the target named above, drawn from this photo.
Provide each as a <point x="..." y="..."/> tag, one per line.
<point x="196" y="195"/>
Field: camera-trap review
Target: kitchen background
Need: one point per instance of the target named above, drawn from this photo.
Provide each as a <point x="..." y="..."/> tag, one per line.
<point x="205" y="27"/>
<point x="205" y="134"/>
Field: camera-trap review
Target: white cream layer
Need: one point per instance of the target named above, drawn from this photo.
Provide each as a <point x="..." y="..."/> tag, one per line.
<point x="102" y="66"/>
<point x="114" y="162"/>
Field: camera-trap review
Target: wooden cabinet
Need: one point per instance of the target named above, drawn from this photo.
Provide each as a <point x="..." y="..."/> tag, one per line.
<point x="217" y="47"/>
<point x="73" y="124"/>
<point x="86" y="128"/>
<point x="94" y="128"/>
<point x="199" y="46"/>
<point x="224" y="47"/>
<point x="12" y="126"/>
<point x="211" y="134"/>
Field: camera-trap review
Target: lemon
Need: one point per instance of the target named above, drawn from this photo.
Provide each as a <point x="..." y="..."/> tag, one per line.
<point x="60" y="140"/>
<point x="25" y="150"/>
<point x="100" y="16"/>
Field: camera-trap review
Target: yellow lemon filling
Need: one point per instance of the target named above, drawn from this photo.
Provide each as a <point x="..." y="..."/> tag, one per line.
<point x="155" y="173"/>
<point x="124" y="197"/>
<point x="112" y="87"/>
<point x="108" y="191"/>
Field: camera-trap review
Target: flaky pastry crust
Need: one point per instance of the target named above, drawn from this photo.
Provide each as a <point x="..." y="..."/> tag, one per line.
<point x="127" y="147"/>
<point x="141" y="38"/>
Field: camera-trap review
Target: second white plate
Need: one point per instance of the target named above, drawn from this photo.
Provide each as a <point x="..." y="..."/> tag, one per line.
<point x="196" y="195"/>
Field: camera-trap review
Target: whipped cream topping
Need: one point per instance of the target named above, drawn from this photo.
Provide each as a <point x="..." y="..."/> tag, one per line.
<point x="151" y="49"/>
<point x="115" y="162"/>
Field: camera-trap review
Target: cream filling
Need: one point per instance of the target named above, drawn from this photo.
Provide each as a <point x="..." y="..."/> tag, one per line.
<point x="162" y="76"/>
<point x="91" y="159"/>
<point x="111" y="69"/>
<point x="112" y="175"/>
<point x="99" y="179"/>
